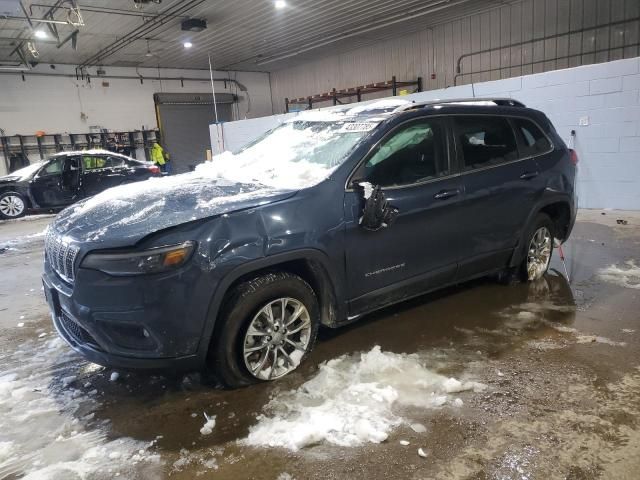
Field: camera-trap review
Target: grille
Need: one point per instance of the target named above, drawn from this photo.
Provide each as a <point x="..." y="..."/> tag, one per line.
<point x="76" y="331"/>
<point x="61" y="255"/>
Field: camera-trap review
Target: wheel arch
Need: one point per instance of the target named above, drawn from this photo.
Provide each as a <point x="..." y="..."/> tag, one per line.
<point x="558" y="208"/>
<point x="311" y="265"/>
<point x="560" y="214"/>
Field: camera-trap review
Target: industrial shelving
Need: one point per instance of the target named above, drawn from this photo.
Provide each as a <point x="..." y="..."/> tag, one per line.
<point x="336" y="96"/>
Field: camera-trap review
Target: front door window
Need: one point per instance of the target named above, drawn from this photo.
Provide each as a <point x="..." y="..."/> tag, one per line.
<point x="414" y="154"/>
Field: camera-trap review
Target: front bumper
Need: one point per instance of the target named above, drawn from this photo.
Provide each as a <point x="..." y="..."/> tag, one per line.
<point x="132" y="322"/>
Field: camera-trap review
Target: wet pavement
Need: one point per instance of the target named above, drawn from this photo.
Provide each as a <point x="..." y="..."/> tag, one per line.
<point x="547" y="385"/>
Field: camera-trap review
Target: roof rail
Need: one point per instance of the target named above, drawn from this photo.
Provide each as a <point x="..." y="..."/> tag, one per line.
<point x="499" y="102"/>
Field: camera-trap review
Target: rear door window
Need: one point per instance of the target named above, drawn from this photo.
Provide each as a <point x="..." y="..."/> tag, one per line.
<point x="114" y="162"/>
<point x="416" y="152"/>
<point x="95" y="162"/>
<point x="485" y="141"/>
<point x="533" y="141"/>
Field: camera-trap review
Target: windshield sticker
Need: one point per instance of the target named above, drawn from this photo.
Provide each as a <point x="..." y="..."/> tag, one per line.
<point x="358" y="127"/>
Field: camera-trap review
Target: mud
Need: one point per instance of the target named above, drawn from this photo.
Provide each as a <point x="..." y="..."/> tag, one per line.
<point x="560" y="361"/>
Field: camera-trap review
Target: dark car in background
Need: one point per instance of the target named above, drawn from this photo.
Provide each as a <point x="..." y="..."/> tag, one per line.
<point x="327" y="217"/>
<point x="66" y="178"/>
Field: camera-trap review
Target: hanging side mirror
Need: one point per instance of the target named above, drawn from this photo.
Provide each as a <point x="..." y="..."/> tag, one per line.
<point x="376" y="213"/>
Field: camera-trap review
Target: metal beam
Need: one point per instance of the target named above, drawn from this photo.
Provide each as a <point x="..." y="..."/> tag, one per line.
<point x="180" y="7"/>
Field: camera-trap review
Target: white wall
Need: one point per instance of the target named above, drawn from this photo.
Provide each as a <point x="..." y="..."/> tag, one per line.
<point x="606" y="96"/>
<point x="432" y="52"/>
<point x="242" y="132"/>
<point x="55" y="104"/>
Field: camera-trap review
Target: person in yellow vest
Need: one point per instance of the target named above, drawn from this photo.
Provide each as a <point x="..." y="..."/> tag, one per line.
<point x="158" y="156"/>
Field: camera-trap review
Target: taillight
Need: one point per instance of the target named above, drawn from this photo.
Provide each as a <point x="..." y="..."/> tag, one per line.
<point x="573" y="155"/>
<point x="154" y="169"/>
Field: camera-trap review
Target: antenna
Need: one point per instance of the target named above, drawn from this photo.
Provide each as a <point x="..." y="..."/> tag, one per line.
<point x="219" y="128"/>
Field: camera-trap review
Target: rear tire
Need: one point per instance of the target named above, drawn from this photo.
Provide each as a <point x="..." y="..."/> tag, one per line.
<point x="12" y="205"/>
<point x="258" y="338"/>
<point x="520" y="273"/>
<point x="539" y="248"/>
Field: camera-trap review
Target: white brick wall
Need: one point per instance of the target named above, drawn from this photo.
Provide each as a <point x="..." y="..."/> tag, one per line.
<point x="607" y="95"/>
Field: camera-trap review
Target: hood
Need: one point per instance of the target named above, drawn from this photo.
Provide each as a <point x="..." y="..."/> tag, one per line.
<point x="9" y="179"/>
<point x="24" y="173"/>
<point x="124" y="215"/>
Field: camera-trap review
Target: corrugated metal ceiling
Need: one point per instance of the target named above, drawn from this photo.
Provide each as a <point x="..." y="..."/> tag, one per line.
<point x="241" y="34"/>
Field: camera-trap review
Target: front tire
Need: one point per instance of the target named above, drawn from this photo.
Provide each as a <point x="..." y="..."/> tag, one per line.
<point x="269" y="326"/>
<point x="12" y="205"/>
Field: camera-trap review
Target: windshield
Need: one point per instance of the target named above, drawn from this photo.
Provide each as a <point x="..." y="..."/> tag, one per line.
<point x="27" y="172"/>
<point x="294" y="155"/>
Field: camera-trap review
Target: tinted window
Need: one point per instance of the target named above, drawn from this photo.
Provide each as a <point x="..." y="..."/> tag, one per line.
<point x="93" y="162"/>
<point x="114" y="162"/>
<point x="54" y="167"/>
<point x="485" y="141"/>
<point x="413" y="154"/>
<point x="532" y="139"/>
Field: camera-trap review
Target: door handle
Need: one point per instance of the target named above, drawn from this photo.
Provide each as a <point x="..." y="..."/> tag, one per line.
<point x="528" y="175"/>
<point x="444" y="194"/>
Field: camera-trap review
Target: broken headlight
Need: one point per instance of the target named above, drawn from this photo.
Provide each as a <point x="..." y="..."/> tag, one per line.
<point x="153" y="260"/>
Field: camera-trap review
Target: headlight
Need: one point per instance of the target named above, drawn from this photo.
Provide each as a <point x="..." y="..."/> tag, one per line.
<point x="153" y="260"/>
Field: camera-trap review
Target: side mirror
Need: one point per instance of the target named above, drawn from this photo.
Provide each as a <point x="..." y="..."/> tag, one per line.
<point x="377" y="213"/>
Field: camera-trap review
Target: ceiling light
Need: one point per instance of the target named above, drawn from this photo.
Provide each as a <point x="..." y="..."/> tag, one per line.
<point x="280" y="4"/>
<point x="194" y="25"/>
<point x="187" y="44"/>
<point x="40" y="34"/>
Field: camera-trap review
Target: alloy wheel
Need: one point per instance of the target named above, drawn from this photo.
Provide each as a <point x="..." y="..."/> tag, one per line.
<point x="11" y="206"/>
<point x="277" y="338"/>
<point x="539" y="254"/>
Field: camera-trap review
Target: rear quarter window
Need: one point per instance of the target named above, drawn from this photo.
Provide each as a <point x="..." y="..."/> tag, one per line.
<point x="533" y="140"/>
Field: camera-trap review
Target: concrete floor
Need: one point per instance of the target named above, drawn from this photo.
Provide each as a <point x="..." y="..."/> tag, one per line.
<point x="560" y="361"/>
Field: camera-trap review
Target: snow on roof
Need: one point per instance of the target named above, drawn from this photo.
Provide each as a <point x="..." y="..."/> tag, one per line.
<point x="93" y="151"/>
<point x="379" y="108"/>
<point x="388" y="104"/>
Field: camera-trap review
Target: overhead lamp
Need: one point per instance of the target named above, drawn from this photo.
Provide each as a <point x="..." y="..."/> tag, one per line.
<point x="194" y="25"/>
<point x="40" y="34"/>
<point x="187" y="44"/>
<point x="280" y="4"/>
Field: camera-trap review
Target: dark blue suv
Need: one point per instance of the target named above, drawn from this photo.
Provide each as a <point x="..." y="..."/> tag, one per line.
<point x="330" y="216"/>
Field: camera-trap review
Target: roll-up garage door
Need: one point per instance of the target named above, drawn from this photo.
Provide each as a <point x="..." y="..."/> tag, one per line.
<point x="184" y="119"/>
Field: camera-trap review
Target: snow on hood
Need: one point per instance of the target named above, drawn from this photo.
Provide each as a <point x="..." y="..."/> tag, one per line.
<point x="353" y="400"/>
<point x="130" y="212"/>
<point x="24" y="173"/>
<point x="289" y="158"/>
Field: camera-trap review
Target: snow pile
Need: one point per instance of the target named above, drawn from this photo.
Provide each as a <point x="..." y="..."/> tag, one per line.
<point x="204" y="460"/>
<point x="585" y="338"/>
<point x="627" y="277"/>
<point x="23" y="240"/>
<point x="209" y="425"/>
<point x="47" y="427"/>
<point x="351" y="401"/>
